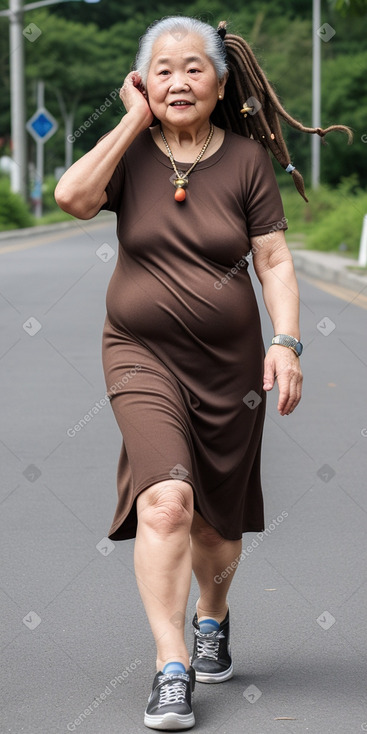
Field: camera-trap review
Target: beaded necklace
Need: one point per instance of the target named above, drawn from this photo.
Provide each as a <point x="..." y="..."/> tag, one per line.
<point x="182" y="181"/>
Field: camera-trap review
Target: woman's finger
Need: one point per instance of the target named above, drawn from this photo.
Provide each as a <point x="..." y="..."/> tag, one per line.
<point x="289" y="377"/>
<point x="292" y="394"/>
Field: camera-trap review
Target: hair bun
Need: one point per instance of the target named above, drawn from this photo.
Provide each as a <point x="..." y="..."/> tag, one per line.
<point x="222" y="29"/>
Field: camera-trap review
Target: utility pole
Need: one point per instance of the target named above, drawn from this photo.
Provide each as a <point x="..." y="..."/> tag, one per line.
<point x="316" y="94"/>
<point x="17" y="99"/>
<point x="17" y="87"/>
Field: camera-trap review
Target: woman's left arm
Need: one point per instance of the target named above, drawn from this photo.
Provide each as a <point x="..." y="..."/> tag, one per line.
<point x="274" y="268"/>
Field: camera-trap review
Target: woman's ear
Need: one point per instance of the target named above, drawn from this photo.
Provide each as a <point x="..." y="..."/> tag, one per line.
<point x="222" y="85"/>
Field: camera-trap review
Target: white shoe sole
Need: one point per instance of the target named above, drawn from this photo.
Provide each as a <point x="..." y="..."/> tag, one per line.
<point x="170" y="721"/>
<point x="214" y="677"/>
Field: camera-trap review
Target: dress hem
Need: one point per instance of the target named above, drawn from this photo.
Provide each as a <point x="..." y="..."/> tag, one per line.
<point x="118" y="533"/>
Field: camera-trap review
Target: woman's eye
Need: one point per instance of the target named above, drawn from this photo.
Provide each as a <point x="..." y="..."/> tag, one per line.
<point x="164" y="72"/>
<point x="193" y="71"/>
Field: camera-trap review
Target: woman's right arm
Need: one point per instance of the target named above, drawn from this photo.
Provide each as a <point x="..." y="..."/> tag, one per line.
<point x="81" y="190"/>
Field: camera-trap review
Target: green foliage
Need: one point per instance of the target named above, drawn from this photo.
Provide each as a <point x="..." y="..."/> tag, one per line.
<point x="345" y="85"/>
<point x="14" y="212"/>
<point x="85" y="51"/>
<point x="350" y="7"/>
<point x="278" y="44"/>
<point x="48" y="199"/>
<point x="342" y="222"/>
<point x="108" y="12"/>
<point x="333" y="216"/>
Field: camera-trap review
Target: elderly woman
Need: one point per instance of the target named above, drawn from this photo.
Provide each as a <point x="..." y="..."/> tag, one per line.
<point x="188" y="174"/>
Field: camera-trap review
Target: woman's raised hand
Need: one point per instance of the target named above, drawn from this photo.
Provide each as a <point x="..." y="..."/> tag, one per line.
<point x="134" y="98"/>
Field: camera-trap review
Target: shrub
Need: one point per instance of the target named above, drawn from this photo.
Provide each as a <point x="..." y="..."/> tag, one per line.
<point x="334" y="215"/>
<point x="342" y="225"/>
<point x="48" y="199"/>
<point x="14" y="212"/>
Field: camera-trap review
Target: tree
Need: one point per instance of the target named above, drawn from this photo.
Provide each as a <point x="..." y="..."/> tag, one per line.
<point x="345" y="100"/>
<point x="75" y="62"/>
<point x="350" y="7"/>
<point x="84" y="62"/>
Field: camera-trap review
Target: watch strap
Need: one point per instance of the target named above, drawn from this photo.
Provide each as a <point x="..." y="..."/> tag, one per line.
<point x="286" y="340"/>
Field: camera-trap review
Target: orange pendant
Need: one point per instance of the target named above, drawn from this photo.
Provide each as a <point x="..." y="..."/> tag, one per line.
<point x="180" y="194"/>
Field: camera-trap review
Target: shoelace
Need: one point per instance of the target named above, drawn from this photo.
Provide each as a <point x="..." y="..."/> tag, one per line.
<point x="171" y="691"/>
<point x="208" y="647"/>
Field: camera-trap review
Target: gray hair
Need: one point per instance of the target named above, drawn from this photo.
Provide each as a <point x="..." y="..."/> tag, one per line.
<point x="213" y="44"/>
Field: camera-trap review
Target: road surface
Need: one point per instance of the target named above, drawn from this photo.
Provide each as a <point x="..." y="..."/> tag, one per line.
<point x="77" y="654"/>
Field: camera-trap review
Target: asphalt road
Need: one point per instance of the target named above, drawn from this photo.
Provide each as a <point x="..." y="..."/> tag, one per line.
<point x="76" y="650"/>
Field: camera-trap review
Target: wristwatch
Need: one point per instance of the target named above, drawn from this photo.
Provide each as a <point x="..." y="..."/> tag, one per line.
<point x="285" y="340"/>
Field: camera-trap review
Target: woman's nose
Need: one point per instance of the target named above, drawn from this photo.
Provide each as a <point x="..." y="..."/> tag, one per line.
<point x="178" y="83"/>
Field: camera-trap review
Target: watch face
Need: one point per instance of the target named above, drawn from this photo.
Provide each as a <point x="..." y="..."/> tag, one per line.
<point x="299" y="348"/>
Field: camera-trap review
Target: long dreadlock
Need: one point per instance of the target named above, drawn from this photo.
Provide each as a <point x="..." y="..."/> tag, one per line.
<point x="249" y="91"/>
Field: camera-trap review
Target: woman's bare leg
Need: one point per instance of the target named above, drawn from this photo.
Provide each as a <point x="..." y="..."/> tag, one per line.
<point x="163" y="568"/>
<point x="211" y="555"/>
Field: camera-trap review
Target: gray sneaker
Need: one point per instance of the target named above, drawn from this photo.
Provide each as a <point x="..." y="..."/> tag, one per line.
<point x="211" y="657"/>
<point x="169" y="706"/>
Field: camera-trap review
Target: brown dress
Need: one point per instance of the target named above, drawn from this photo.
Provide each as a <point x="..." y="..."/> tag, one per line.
<point x="182" y="343"/>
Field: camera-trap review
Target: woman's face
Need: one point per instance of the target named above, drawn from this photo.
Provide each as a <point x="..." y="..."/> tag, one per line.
<point x="182" y="83"/>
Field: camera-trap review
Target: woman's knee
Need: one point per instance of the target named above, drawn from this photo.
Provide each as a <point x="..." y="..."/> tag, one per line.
<point x="166" y="506"/>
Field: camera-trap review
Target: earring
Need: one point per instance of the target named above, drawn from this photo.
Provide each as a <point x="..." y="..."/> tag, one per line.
<point x="220" y="96"/>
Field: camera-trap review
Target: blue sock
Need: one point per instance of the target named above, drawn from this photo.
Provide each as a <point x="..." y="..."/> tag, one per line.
<point x="174" y="668"/>
<point x="209" y="625"/>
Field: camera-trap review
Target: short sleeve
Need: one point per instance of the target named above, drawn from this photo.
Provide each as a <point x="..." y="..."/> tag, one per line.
<point x="264" y="207"/>
<point x="115" y="185"/>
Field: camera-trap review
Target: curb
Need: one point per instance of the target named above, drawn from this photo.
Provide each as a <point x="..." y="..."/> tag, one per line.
<point x="328" y="267"/>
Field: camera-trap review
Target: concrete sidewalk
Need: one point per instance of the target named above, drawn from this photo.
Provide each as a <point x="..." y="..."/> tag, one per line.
<point x="329" y="267"/>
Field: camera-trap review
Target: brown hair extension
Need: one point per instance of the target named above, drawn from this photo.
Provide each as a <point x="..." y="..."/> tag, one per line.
<point x="246" y="79"/>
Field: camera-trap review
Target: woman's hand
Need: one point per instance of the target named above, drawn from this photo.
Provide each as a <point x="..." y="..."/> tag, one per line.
<point x="282" y="363"/>
<point x="135" y="99"/>
<point x="81" y="191"/>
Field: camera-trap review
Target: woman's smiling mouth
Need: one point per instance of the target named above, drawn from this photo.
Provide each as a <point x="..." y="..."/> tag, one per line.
<point x="180" y="103"/>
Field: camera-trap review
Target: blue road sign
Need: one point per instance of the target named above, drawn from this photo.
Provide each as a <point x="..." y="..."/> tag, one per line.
<point x="42" y="125"/>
